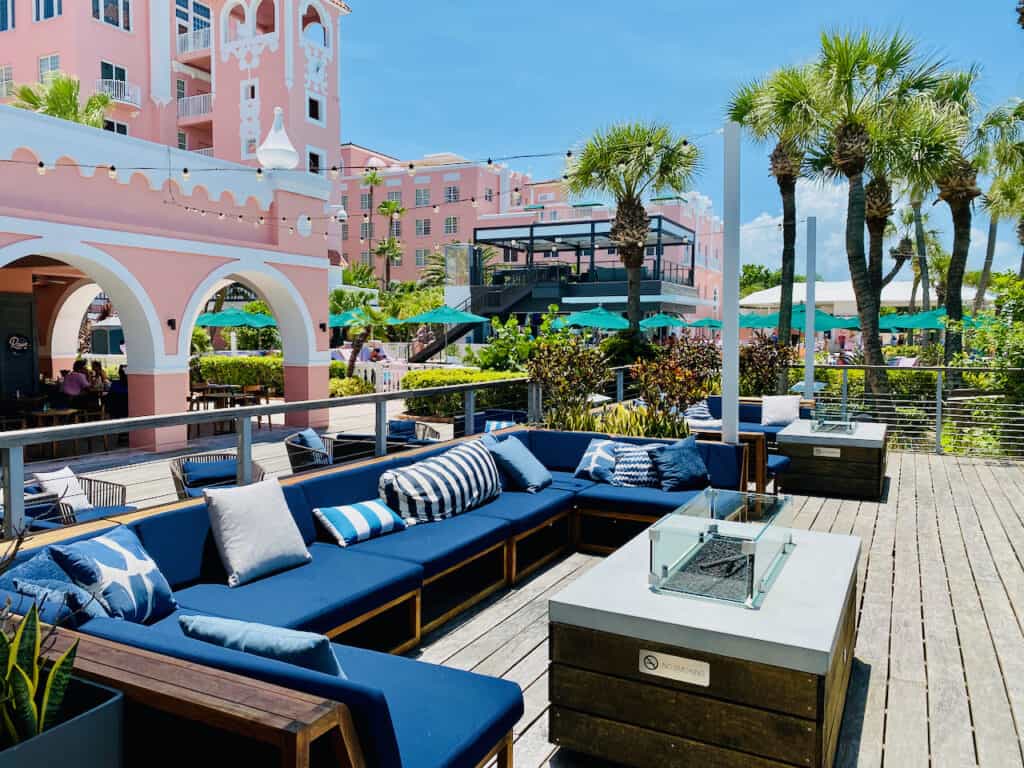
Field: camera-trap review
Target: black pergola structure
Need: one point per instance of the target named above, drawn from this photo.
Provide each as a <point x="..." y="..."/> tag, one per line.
<point x="551" y="240"/>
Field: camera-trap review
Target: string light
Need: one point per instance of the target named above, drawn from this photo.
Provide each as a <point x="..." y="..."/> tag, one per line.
<point x="241" y="218"/>
<point x="412" y="169"/>
<point x="291" y="230"/>
<point x="41" y="168"/>
<point x="437" y="208"/>
<point x="220" y="216"/>
<point x="473" y="202"/>
<point x="568" y="153"/>
<point x="259" y="174"/>
<point x="112" y="172"/>
<point x="335" y="172"/>
<point x="184" y="173"/>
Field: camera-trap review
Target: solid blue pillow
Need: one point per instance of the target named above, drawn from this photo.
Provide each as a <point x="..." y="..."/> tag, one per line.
<point x="74" y="602"/>
<point x="520" y="467"/>
<point x="303" y="649"/>
<point x="598" y="462"/>
<point x="39" y="567"/>
<point x="309" y="438"/>
<point x="401" y="428"/>
<point x="680" y="466"/>
<point x="206" y="472"/>
<point x="117" y="569"/>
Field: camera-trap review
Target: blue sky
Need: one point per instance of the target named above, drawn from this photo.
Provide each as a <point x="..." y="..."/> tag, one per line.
<point x="485" y="78"/>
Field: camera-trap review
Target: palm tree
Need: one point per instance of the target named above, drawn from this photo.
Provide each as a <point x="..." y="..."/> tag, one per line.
<point x="629" y="161"/>
<point x="766" y="109"/>
<point x="861" y="81"/>
<point x="342" y="301"/>
<point x="1004" y="200"/>
<point x="371" y="179"/>
<point x="435" y="273"/>
<point x="60" y="96"/>
<point x="389" y="248"/>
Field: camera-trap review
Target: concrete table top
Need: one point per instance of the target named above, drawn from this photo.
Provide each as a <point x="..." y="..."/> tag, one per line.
<point x="795" y="628"/>
<point x="864" y="435"/>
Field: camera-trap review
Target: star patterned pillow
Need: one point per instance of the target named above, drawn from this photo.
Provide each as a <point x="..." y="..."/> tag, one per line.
<point x="598" y="462"/>
<point x="120" y="573"/>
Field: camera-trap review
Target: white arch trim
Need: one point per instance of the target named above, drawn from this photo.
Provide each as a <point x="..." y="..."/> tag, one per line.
<point x="62" y="335"/>
<point x="325" y="19"/>
<point x="295" y="324"/>
<point x="143" y="335"/>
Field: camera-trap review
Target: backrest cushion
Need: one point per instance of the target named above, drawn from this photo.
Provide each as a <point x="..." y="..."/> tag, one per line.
<point x="310" y="439"/>
<point x="456" y="481"/>
<point x="254" y="530"/>
<point x="598" y="461"/>
<point x="634" y="467"/>
<point x="725" y="463"/>
<point x="401" y="428"/>
<point x="303" y="649"/>
<point x="780" y="410"/>
<point x="680" y="466"/>
<point x="65" y="485"/>
<point x="345" y="485"/>
<point x="181" y="544"/>
<point x="361" y="521"/>
<point x="520" y="469"/>
<point x="197" y="473"/>
<point x="116" y="568"/>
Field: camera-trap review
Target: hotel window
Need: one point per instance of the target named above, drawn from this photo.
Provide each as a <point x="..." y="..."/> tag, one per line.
<point x="421" y="257"/>
<point x="364" y="201"/>
<point x="395" y="197"/>
<point x="344" y="231"/>
<point x="47" y="9"/>
<point x="365" y="230"/>
<point x="423" y="197"/>
<point x="554" y="215"/>
<point x="366" y="258"/>
<point x="451" y="194"/>
<point x="612" y="250"/>
<point x="489" y="195"/>
<point x="182" y="140"/>
<point x="6" y="80"/>
<point x="191" y="15"/>
<point x="179" y="88"/>
<point x="48" y="66"/>
<point x="6" y="15"/>
<point x="315" y="110"/>
<point x="396" y="228"/>
<point x="314" y="162"/>
<point x="451" y="225"/>
<point x="344" y="203"/>
<point x="115" y="127"/>
<point x="110" y="71"/>
<point x="118" y="13"/>
<point x="422" y="227"/>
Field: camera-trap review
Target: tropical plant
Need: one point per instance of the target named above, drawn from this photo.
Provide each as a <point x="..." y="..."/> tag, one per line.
<point x="450" y="404"/>
<point x="762" y="361"/>
<point x="683" y="372"/>
<point x="640" y="421"/>
<point x="1004" y="200"/>
<point x="60" y="96"/>
<point x="435" y="273"/>
<point x="240" y="371"/>
<point x="507" y="349"/>
<point x="626" y="348"/>
<point x="342" y="301"/>
<point x="201" y="343"/>
<point x="568" y="371"/>
<point x="764" y="108"/>
<point x="389" y="249"/>
<point x="757" y="277"/>
<point x="348" y="386"/>
<point x="371" y="179"/>
<point x="404" y="300"/>
<point x="359" y="275"/>
<point x="255" y="338"/>
<point x="629" y="161"/>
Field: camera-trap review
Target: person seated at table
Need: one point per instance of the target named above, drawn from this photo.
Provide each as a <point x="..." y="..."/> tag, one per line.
<point x="120" y="384"/>
<point x="377" y="355"/>
<point x="76" y="382"/>
<point x="98" y="377"/>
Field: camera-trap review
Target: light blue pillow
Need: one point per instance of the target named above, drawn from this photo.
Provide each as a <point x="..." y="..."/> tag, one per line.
<point x="303" y="649"/>
<point x="116" y="568"/>
<point x="68" y="599"/>
<point x="598" y="462"/>
<point x="309" y="438"/>
<point x="494" y="426"/>
<point x="39" y="567"/>
<point x="520" y="467"/>
<point x="359" y="522"/>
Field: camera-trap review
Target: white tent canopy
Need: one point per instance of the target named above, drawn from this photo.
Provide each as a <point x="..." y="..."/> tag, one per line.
<point x="837" y="297"/>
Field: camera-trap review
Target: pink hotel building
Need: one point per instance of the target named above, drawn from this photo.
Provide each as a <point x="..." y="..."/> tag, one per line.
<point x="166" y="205"/>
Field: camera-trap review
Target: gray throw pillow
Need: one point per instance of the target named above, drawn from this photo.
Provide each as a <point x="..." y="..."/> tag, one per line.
<point x="254" y="531"/>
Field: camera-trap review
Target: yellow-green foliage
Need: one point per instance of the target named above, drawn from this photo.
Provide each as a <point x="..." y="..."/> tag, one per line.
<point x="242" y="371"/>
<point x="447" y="405"/>
<point x="349" y="387"/>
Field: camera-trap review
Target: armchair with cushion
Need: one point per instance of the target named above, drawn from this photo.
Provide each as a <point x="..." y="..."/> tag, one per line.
<point x="191" y="474"/>
<point x="104" y="498"/>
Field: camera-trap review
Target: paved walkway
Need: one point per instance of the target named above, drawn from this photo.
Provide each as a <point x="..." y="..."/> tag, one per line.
<point x="938" y="676"/>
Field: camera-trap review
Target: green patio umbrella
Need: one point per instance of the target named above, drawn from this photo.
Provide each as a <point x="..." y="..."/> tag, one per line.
<point x="352" y="317"/>
<point x="926" y="321"/>
<point x="558" y="323"/>
<point x="235" y="318"/>
<point x="754" y="320"/>
<point x="599" y="318"/>
<point x="662" y="320"/>
<point x="891" y="323"/>
<point x="445" y="316"/>
<point x="705" y="322"/>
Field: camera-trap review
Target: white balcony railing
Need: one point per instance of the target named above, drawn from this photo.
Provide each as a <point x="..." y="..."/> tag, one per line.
<point x="204" y="151"/>
<point x="196" y="40"/>
<point x="121" y="91"/>
<point x="195" y="106"/>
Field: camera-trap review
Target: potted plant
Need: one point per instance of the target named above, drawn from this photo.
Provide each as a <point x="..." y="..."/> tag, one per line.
<point x="48" y="716"/>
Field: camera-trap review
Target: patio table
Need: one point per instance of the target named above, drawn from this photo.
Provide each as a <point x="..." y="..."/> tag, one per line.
<point x="55" y="417"/>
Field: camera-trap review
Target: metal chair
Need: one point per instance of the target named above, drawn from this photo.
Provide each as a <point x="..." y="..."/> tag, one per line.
<point x="256" y="394"/>
<point x="100" y="493"/>
<point x="302" y="458"/>
<point x="178" y="472"/>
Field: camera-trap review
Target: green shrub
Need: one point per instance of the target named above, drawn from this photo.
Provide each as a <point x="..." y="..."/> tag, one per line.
<point x="346" y="387"/>
<point x="626" y="348"/>
<point x="447" y="405"/>
<point x="242" y="371"/>
<point x="339" y="370"/>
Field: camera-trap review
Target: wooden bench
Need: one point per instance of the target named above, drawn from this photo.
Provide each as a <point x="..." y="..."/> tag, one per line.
<point x="280" y="717"/>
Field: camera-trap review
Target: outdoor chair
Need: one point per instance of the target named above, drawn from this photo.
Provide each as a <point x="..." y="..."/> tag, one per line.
<point x="221" y="473"/>
<point x="257" y="394"/>
<point x="102" y="494"/>
<point x="301" y="457"/>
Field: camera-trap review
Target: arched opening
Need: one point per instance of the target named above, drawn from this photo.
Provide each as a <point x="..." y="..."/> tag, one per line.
<point x="235" y="25"/>
<point x="313" y="27"/>
<point x="266" y="17"/>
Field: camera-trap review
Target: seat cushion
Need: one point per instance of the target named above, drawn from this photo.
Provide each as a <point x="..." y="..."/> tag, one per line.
<point x="565" y="481"/>
<point x="441" y="716"/>
<point x="777" y="464"/>
<point x="335" y="586"/>
<point x="197" y="473"/>
<point x="524" y="511"/>
<point x="641" y="501"/>
<point x="437" y="546"/>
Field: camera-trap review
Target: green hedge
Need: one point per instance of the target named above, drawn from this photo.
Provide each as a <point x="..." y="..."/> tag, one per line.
<point x="346" y="387"/>
<point x="243" y="371"/>
<point x="339" y="370"/>
<point x="512" y="395"/>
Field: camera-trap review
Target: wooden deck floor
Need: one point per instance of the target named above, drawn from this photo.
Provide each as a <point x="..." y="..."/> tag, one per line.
<point x="938" y="676"/>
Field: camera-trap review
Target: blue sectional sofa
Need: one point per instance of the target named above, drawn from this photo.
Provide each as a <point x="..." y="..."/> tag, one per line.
<point x="383" y="593"/>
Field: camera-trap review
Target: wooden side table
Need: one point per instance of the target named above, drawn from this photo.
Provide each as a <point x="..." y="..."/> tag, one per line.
<point x="835" y="463"/>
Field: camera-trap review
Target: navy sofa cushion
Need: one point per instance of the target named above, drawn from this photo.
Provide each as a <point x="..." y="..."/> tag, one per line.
<point x="437" y="546"/>
<point x="680" y="466"/>
<point x="566" y="481"/>
<point x="520" y="470"/>
<point x="640" y="501"/>
<point x="335" y="586"/>
<point x="778" y="464"/>
<point x="344" y="486"/>
<point x="524" y="511"/>
<point x="308" y="438"/>
<point x="199" y="473"/>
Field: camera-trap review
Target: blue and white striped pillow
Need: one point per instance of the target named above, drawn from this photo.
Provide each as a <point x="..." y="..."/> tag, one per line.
<point x="634" y="466"/>
<point x="699" y="411"/>
<point x="358" y="522"/>
<point x="494" y="426"/>
<point x="440" y="487"/>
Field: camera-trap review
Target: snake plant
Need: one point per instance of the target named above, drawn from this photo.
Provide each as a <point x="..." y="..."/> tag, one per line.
<point x="32" y="694"/>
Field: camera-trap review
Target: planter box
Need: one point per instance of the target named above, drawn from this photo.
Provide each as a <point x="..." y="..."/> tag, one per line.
<point x="90" y="734"/>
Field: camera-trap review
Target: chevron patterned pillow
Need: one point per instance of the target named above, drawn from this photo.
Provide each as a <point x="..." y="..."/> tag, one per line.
<point x="634" y="467"/>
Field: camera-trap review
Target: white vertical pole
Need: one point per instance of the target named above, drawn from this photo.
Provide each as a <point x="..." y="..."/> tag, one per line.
<point x="731" y="287"/>
<point x="809" y="305"/>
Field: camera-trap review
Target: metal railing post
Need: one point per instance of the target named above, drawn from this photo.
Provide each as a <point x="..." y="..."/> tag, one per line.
<point x="243" y="428"/>
<point x="13" y="459"/>
<point x="845" y="389"/>
<point x="620" y="385"/>
<point x="380" y="428"/>
<point x="470" y="400"/>
<point x="534" y="410"/>
<point x="938" y="412"/>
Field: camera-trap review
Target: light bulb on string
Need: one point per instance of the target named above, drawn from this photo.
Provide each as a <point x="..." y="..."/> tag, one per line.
<point x="259" y="174"/>
<point x="261" y="219"/>
<point x="568" y="154"/>
<point x="184" y="173"/>
<point x="41" y="168"/>
<point x="473" y="202"/>
<point x="437" y="209"/>
<point x="335" y="172"/>
<point x="412" y="169"/>
<point x="325" y="235"/>
<point x="291" y="230"/>
<point x="112" y="172"/>
<point x="220" y="217"/>
<point x="202" y="213"/>
<point x="241" y="218"/>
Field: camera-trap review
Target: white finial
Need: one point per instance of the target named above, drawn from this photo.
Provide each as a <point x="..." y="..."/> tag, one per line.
<point x="276" y="152"/>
